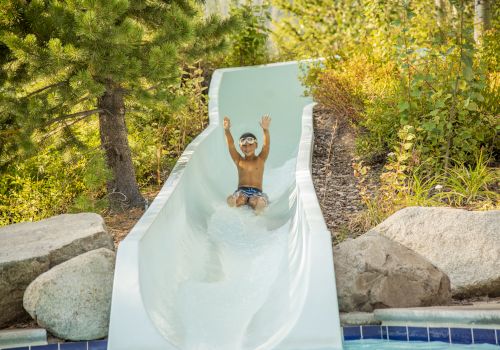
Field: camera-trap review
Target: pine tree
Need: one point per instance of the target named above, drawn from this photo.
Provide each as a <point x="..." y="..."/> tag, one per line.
<point x="63" y="61"/>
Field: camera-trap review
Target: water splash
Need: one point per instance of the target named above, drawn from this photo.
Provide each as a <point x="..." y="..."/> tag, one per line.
<point x="216" y="313"/>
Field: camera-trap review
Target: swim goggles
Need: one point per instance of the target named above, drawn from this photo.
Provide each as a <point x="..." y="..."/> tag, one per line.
<point x="247" y="141"/>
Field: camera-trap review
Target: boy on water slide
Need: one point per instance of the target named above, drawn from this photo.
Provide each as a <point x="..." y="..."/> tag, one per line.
<point x="250" y="167"/>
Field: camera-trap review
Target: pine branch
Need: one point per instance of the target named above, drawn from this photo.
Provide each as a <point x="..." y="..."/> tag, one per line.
<point x="69" y="116"/>
<point x="49" y="134"/>
<point x="45" y="88"/>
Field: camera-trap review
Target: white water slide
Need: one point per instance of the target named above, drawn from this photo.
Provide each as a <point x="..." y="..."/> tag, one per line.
<point x="194" y="274"/>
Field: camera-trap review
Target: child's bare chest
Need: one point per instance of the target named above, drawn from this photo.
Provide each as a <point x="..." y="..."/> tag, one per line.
<point x="250" y="165"/>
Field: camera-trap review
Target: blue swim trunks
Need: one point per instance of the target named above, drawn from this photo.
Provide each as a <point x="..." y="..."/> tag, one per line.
<point x="250" y="192"/>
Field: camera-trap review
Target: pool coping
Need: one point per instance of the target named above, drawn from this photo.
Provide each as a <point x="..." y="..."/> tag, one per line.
<point x="485" y="315"/>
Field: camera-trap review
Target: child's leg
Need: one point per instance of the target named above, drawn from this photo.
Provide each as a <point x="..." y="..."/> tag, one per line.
<point x="258" y="203"/>
<point x="241" y="200"/>
<point x="237" y="200"/>
<point x="231" y="201"/>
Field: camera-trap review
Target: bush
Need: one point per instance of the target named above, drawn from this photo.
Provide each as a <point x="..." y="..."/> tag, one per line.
<point x="249" y="44"/>
<point x="158" y="136"/>
<point x="52" y="182"/>
<point x="422" y="96"/>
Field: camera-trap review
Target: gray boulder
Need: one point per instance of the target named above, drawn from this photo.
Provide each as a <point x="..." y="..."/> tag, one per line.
<point x="30" y="248"/>
<point x="73" y="299"/>
<point x="463" y="244"/>
<point x="374" y="272"/>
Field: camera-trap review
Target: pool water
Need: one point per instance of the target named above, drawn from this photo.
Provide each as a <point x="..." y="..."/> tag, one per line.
<point x="375" y="344"/>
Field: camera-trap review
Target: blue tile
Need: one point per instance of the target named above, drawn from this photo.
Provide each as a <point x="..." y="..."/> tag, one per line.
<point x="484" y="336"/>
<point x="73" y="346"/>
<point x="397" y="333"/>
<point x="352" y="333"/>
<point x="98" y="345"/>
<point x="384" y="332"/>
<point x="418" y="334"/>
<point x="461" y="335"/>
<point x="439" y="334"/>
<point x="45" y="347"/>
<point x="372" y="332"/>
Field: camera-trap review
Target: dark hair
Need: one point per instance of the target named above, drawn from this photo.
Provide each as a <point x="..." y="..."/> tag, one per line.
<point x="247" y="134"/>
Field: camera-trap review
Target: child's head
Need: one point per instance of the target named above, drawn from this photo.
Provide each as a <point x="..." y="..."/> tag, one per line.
<point x="248" y="143"/>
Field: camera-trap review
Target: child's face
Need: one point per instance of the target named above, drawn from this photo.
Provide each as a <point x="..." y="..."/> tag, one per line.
<point x="248" y="149"/>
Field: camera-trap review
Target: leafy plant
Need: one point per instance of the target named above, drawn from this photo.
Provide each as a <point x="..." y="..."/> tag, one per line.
<point x="159" y="135"/>
<point x="421" y="94"/>
<point x="249" y="44"/>
<point x="52" y="182"/>
<point x="472" y="186"/>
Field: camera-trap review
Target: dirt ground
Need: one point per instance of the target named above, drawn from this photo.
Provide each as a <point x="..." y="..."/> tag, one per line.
<point x="333" y="173"/>
<point x="120" y="223"/>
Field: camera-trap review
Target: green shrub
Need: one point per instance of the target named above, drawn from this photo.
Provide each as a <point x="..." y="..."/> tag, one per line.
<point x="421" y="95"/>
<point x="52" y="182"/>
<point x="249" y="44"/>
<point x="472" y="186"/>
<point x="159" y="136"/>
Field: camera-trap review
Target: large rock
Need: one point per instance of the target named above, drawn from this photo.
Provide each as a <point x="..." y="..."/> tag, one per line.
<point x="73" y="299"/>
<point x="463" y="244"/>
<point x="31" y="248"/>
<point x="374" y="272"/>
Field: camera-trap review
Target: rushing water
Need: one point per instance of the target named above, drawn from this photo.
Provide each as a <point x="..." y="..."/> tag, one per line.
<point x="216" y="314"/>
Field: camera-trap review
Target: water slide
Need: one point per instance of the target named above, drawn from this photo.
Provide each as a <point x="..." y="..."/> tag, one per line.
<point x="194" y="274"/>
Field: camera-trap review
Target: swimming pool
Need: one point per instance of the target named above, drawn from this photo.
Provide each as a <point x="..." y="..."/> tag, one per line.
<point x="362" y="338"/>
<point x="364" y="344"/>
<point x="376" y="344"/>
<point x="377" y="337"/>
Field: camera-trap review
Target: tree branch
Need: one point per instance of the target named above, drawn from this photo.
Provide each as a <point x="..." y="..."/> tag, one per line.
<point x="45" y="88"/>
<point x="69" y="116"/>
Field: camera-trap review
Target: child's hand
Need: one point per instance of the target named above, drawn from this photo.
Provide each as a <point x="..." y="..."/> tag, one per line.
<point x="227" y="123"/>
<point x="266" y="120"/>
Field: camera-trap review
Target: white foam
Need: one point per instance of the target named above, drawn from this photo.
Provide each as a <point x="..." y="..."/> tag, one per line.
<point x="216" y="314"/>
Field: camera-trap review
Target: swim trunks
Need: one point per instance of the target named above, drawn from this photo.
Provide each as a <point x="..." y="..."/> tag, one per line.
<point x="250" y="192"/>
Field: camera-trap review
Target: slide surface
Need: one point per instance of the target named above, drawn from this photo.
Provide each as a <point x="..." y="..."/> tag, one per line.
<point x="194" y="274"/>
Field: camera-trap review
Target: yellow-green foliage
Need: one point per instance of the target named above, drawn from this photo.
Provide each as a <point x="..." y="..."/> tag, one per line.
<point x="315" y="28"/>
<point x="473" y="186"/>
<point x="158" y="136"/>
<point x="418" y="90"/>
<point x="404" y="183"/>
<point x="248" y="44"/>
<point x="51" y="182"/>
<point x="59" y="179"/>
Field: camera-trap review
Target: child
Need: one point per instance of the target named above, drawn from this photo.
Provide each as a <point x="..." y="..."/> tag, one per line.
<point x="250" y="167"/>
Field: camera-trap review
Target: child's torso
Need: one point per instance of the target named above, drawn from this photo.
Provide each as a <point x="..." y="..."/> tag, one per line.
<point x="250" y="172"/>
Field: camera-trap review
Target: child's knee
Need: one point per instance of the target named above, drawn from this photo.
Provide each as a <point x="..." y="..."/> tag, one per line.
<point x="261" y="202"/>
<point x="241" y="200"/>
<point x="231" y="201"/>
<point x="257" y="202"/>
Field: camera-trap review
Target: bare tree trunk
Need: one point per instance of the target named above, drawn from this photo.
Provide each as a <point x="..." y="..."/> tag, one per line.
<point x="441" y="11"/>
<point x="122" y="189"/>
<point x="481" y="18"/>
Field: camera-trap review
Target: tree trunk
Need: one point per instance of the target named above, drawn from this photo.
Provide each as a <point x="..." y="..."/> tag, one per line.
<point x="441" y="12"/>
<point x="481" y="18"/>
<point x="123" y="190"/>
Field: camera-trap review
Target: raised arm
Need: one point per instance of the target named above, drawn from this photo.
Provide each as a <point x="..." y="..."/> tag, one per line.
<point x="230" y="141"/>
<point x="264" y="123"/>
